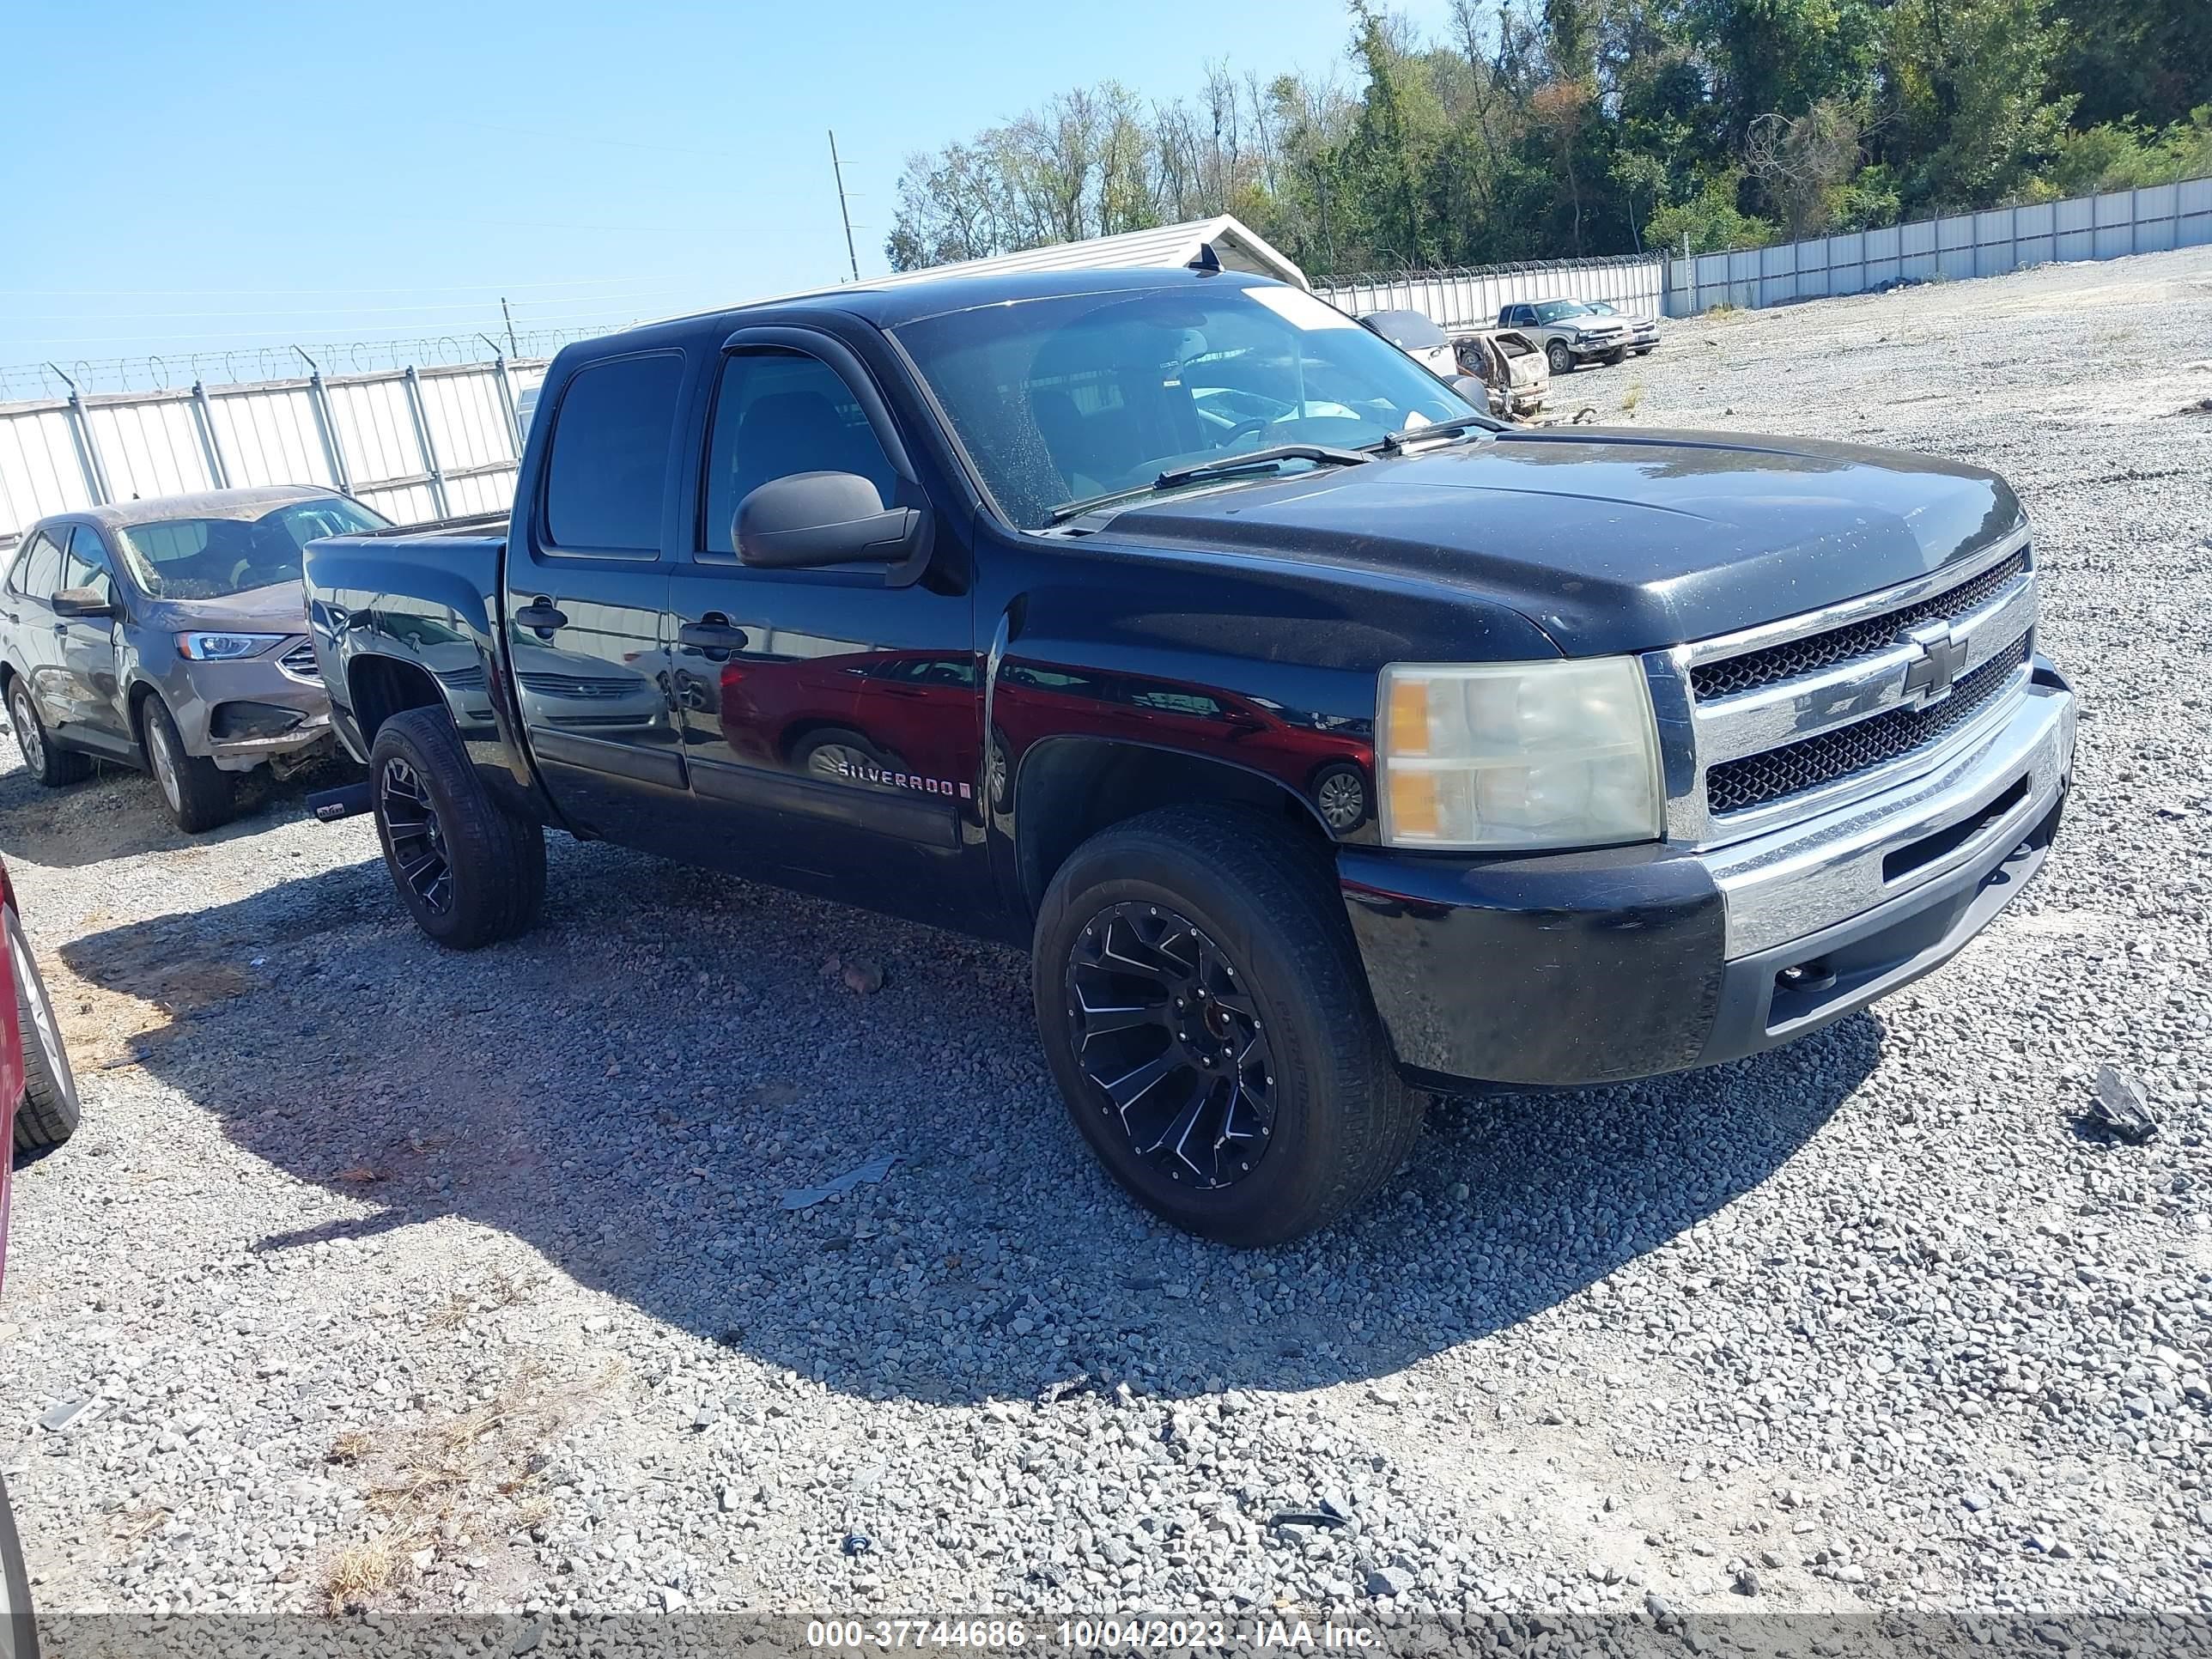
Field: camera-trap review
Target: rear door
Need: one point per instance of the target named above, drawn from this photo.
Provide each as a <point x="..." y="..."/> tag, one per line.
<point x="29" y="601"/>
<point x="832" y="718"/>
<point x="87" y="646"/>
<point x="587" y="594"/>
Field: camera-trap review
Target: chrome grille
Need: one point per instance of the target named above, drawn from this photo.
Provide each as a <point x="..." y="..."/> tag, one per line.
<point x="1762" y="779"/>
<point x="299" y="662"/>
<point x="1798" y="716"/>
<point x="587" y="686"/>
<point x="1732" y="675"/>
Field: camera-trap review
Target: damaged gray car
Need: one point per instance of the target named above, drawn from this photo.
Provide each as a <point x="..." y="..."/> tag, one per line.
<point x="171" y="635"/>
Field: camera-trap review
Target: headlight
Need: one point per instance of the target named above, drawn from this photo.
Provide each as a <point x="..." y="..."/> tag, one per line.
<point x="225" y="647"/>
<point x="1494" y="757"/>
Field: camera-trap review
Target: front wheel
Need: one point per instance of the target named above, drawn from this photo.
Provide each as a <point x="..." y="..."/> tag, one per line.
<point x="200" y="795"/>
<point x="1206" y="1019"/>
<point x="48" y="1113"/>
<point x="468" y="871"/>
<point x="1561" y="360"/>
<point x="1615" y="357"/>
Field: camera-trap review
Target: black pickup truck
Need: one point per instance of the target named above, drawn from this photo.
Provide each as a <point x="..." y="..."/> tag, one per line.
<point x="1327" y="745"/>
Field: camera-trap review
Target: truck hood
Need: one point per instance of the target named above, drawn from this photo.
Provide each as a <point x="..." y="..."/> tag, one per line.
<point x="280" y="608"/>
<point x="1615" y="540"/>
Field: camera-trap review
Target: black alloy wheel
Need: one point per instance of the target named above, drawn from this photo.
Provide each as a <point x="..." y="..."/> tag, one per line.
<point x="418" y="841"/>
<point x="1165" y="1027"/>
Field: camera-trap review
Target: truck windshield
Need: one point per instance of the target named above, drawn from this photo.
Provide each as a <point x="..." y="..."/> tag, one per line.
<point x="1066" y="398"/>
<point x="216" y="557"/>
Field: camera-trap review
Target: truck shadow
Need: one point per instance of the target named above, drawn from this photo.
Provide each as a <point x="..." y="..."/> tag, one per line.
<point x="632" y="1092"/>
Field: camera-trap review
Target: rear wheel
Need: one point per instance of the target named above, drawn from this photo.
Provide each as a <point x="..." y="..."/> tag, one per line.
<point x="836" y="753"/>
<point x="48" y="1113"/>
<point x="50" y="766"/>
<point x="200" y="795"/>
<point x="468" y="871"/>
<point x="1205" y="1017"/>
<point x="1561" y="360"/>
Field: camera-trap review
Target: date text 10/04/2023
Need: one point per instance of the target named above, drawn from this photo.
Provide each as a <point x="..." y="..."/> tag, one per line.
<point x="1090" y="1635"/>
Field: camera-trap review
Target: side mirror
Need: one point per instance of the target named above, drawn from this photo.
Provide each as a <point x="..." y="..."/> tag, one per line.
<point x="87" y="603"/>
<point x="807" y="519"/>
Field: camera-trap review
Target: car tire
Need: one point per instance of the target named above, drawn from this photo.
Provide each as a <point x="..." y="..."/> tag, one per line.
<point x="1643" y="351"/>
<point x="1615" y="357"/>
<point x="470" y="872"/>
<point x="199" y="794"/>
<point x="819" y="753"/>
<point x="1561" y="360"/>
<point x="50" y="766"/>
<point x="18" y="1624"/>
<point x="1237" y="915"/>
<point x="48" y="1113"/>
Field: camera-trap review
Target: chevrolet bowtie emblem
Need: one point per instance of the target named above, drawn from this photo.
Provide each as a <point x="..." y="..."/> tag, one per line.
<point x="1929" y="678"/>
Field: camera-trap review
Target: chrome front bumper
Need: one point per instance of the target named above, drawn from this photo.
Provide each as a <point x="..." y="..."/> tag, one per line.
<point x="1795" y="882"/>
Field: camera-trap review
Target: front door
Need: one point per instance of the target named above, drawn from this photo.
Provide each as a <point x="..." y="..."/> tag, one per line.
<point x="87" y="647"/>
<point x="832" y="721"/>
<point x="586" y="596"/>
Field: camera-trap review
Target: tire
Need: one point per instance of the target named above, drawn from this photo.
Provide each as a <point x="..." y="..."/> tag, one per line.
<point x="1325" y="1116"/>
<point x="1561" y="360"/>
<point x="199" y="794"/>
<point x="50" y="766"/>
<point x="831" y="752"/>
<point x="48" y="1113"/>
<point x="1643" y="351"/>
<point x="1615" y="357"/>
<point x="469" y="872"/>
<point x="18" y="1624"/>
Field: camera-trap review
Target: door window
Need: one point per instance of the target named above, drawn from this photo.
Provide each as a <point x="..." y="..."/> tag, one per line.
<point x="777" y="413"/>
<point x="613" y="434"/>
<point x="40" y="572"/>
<point x="86" y="562"/>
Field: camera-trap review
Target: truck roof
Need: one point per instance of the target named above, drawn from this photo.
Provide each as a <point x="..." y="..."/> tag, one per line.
<point x="892" y="304"/>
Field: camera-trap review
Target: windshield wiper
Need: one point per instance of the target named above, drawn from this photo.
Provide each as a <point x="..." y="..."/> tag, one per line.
<point x="1395" y="441"/>
<point x="1317" y="453"/>
<point x="1199" y="472"/>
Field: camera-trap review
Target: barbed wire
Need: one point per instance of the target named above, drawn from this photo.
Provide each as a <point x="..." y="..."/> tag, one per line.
<point x="178" y="371"/>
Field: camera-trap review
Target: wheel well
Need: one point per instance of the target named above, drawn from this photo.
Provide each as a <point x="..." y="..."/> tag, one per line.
<point x="1070" y="788"/>
<point x="380" y="686"/>
<point x="140" y="694"/>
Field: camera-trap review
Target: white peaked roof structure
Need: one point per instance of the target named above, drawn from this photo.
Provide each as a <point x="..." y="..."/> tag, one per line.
<point x="1235" y="244"/>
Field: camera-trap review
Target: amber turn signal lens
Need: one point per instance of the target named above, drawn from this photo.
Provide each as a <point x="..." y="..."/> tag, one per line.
<point x="1409" y="717"/>
<point x="1413" y="808"/>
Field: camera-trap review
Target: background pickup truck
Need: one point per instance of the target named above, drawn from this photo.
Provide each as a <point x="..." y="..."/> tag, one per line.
<point x="1326" y="744"/>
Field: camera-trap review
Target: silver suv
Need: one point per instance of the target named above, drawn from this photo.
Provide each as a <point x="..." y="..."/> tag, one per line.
<point x="170" y="635"/>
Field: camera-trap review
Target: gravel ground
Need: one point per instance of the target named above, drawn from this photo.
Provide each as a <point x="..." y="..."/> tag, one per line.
<point x="466" y="1282"/>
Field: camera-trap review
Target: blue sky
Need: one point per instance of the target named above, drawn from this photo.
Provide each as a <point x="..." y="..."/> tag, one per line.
<point x="223" y="177"/>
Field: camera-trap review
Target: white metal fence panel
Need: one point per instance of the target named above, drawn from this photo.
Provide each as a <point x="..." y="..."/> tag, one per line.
<point x="2192" y="213"/>
<point x="414" y="444"/>
<point x="1472" y="297"/>
<point x="1988" y="243"/>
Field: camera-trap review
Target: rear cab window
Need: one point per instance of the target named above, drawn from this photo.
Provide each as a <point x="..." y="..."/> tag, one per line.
<point x="606" y="476"/>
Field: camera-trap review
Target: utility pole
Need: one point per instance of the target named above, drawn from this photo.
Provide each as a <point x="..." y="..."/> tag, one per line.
<point x="838" y="172"/>
<point x="509" y="315"/>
